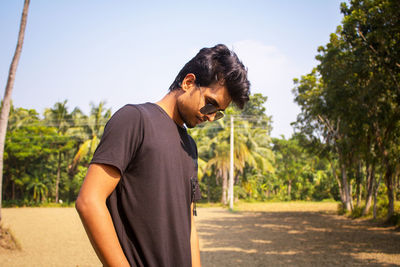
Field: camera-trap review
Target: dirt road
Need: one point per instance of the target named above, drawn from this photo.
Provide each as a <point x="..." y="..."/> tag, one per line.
<point x="276" y="235"/>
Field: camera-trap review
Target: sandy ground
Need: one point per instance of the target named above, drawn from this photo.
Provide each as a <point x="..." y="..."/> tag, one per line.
<point x="271" y="235"/>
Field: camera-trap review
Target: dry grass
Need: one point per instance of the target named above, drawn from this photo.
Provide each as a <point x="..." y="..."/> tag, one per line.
<point x="300" y="206"/>
<point x="48" y="237"/>
<point x="293" y="234"/>
<point x="8" y="240"/>
<point x="274" y="234"/>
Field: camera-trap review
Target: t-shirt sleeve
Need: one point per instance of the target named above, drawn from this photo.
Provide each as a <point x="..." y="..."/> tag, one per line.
<point x="122" y="137"/>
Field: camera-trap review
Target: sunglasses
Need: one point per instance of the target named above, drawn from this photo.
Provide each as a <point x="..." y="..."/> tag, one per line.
<point x="209" y="109"/>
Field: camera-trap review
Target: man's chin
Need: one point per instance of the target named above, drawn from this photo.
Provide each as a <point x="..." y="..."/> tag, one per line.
<point x="193" y="124"/>
<point x="189" y="125"/>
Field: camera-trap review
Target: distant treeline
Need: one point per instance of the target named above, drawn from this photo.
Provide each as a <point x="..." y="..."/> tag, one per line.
<point x="46" y="157"/>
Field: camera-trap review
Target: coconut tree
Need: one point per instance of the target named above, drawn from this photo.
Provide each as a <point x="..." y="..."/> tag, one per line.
<point x="93" y="128"/>
<point x="88" y="129"/>
<point x="39" y="189"/>
<point x="5" y="109"/>
<point x="59" y="118"/>
<point x="250" y="149"/>
<point x="251" y="146"/>
<point x="19" y="117"/>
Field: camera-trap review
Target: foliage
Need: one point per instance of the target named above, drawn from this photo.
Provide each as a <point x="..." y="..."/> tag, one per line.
<point x="252" y="153"/>
<point x="59" y="146"/>
<point x="304" y="176"/>
<point x="39" y="152"/>
<point x="350" y="103"/>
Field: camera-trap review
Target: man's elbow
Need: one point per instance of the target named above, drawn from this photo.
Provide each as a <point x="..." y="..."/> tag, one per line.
<point x="79" y="204"/>
<point x="83" y="204"/>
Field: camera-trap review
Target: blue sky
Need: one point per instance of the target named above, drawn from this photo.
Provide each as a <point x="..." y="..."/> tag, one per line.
<point x="130" y="51"/>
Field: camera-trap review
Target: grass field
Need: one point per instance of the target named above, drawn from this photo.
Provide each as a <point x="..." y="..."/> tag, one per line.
<point x="256" y="234"/>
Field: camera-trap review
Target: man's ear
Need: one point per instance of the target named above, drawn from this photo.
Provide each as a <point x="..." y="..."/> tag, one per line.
<point x="189" y="82"/>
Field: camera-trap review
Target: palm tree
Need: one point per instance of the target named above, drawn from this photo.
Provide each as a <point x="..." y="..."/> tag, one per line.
<point x="250" y="149"/>
<point x="89" y="130"/>
<point x="5" y="109"/>
<point x="59" y="117"/>
<point x="260" y="158"/>
<point x="94" y="125"/>
<point x="220" y="163"/>
<point x="19" y="117"/>
<point x="39" y="189"/>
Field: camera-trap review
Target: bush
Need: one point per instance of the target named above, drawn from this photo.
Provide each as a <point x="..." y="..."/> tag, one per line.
<point x="357" y="212"/>
<point x="341" y="210"/>
<point x="394" y="220"/>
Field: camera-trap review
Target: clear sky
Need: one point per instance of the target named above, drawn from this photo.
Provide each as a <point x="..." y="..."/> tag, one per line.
<point x="130" y="51"/>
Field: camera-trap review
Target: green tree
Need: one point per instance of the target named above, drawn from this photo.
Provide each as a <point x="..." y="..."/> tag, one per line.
<point x="88" y="130"/>
<point x="290" y="160"/>
<point x="60" y="118"/>
<point x="28" y="161"/>
<point x="251" y="147"/>
<point x="38" y="188"/>
<point x="93" y="127"/>
<point x="351" y="99"/>
<point x="19" y="118"/>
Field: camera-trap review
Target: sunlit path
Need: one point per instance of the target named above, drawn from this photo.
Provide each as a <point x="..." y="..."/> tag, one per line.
<point x="293" y="238"/>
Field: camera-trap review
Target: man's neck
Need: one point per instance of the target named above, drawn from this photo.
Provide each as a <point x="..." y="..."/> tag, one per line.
<point x="168" y="104"/>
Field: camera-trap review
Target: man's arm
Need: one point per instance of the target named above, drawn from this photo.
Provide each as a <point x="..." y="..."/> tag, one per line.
<point x="194" y="243"/>
<point x="99" y="182"/>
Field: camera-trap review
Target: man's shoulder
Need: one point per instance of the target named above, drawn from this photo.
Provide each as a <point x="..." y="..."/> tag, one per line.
<point x="134" y="109"/>
<point x="127" y="112"/>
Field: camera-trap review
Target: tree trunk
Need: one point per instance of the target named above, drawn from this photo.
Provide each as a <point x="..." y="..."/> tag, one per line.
<point x="224" y="199"/>
<point x="358" y="183"/>
<point x="72" y="171"/>
<point x="71" y="188"/>
<point x="389" y="185"/>
<point x="13" y="190"/>
<point x="208" y="190"/>
<point x="346" y="200"/>
<point x="346" y="189"/>
<point x="5" y="109"/>
<point x="342" y="196"/>
<point x="289" y="189"/>
<point x="58" y="175"/>
<point x="396" y="180"/>
<point x="370" y="187"/>
<point x="376" y="189"/>
<point x="351" y="195"/>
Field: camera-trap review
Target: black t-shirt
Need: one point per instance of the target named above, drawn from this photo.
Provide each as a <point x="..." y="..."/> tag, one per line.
<point x="150" y="206"/>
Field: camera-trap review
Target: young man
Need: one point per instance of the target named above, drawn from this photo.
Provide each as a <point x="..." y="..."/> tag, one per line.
<point x="136" y="201"/>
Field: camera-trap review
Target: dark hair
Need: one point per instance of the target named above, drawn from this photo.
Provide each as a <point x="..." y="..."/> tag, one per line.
<point x="218" y="64"/>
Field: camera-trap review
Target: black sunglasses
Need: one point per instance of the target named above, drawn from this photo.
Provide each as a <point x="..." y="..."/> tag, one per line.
<point x="211" y="109"/>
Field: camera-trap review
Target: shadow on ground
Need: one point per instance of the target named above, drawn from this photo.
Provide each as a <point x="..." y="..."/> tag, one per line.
<point x="293" y="239"/>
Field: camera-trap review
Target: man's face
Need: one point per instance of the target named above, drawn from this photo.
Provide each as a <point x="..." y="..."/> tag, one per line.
<point x="194" y="98"/>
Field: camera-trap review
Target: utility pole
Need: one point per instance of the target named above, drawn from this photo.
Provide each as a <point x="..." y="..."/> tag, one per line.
<point x="231" y="170"/>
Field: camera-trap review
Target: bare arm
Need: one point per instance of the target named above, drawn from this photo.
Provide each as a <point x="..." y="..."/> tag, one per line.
<point x="99" y="182"/>
<point x="194" y="243"/>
